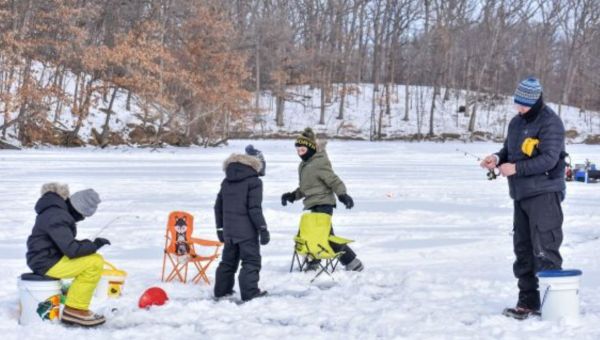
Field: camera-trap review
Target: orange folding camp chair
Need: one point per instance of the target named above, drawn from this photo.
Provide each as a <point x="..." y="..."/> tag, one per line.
<point x="180" y="249"/>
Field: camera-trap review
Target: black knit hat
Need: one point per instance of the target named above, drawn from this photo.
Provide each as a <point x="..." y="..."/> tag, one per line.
<point x="307" y="139"/>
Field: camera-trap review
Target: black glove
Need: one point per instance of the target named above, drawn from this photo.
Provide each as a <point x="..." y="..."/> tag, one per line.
<point x="347" y="200"/>
<point x="100" y="242"/>
<point x="265" y="237"/>
<point x="220" y="235"/>
<point x="288" y="197"/>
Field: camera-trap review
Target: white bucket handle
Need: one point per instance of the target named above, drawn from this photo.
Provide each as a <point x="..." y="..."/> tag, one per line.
<point x="544" y="297"/>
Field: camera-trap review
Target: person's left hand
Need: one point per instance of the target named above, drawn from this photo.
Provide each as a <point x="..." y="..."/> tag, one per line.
<point x="508" y="169"/>
<point x="99" y="242"/>
<point x="347" y="200"/>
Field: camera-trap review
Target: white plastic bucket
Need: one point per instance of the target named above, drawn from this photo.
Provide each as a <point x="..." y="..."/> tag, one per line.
<point x="39" y="300"/>
<point x="560" y="294"/>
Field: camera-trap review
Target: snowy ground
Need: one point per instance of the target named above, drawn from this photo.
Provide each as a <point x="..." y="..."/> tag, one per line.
<point x="434" y="234"/>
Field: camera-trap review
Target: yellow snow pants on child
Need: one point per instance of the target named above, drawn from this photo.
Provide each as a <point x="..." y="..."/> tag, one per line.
<point x="86" y="271"/>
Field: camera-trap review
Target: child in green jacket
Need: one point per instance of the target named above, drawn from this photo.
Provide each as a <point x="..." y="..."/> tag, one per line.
<point x="318" y="184"/>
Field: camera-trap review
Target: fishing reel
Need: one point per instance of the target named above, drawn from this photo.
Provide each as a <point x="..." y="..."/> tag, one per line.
<point x="493" y="174"/>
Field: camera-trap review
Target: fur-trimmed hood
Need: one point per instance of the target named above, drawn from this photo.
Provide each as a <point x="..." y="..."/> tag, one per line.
<point x="248" y="160"/>
<point x="60" y="189"/>
<point x="59" y="200"/>
<point x="239" y="166"/>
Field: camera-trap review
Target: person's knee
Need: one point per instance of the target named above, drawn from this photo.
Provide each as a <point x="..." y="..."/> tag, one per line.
<point x="225" y="270"/>
<point x="96" y="264"/>
<point x="253" y="263"/>
<point x="97" y="260"/>
<point x="225" y="265"/>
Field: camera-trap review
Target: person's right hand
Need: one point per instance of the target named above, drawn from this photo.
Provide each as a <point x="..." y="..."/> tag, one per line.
<point x="99" y="242"/>
<point x="489" y="162"/>
<point x="288" y="197"/>
<point x="220" y="235"/>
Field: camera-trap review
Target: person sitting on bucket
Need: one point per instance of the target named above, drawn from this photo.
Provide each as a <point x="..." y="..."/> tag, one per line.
<point x="318" y="183"/>
<point x="53" y="251"/>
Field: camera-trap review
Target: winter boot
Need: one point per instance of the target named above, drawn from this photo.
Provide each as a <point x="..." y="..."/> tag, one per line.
<point x="355" y="265"/>
<point x="83" y="318"/>
<point x="260" y="294"/>
<point x="312" y="265"/>
<point x="225" y="297"/>
<point x="520" y="313"/>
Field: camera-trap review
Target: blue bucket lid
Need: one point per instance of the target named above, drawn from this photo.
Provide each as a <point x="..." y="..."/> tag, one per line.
<point x="559" y="273"/>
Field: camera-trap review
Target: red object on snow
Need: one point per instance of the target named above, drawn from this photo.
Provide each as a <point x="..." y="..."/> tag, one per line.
<point x="153" y="297"/>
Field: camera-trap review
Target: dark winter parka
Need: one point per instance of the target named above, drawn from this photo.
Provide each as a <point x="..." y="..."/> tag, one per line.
<point x="544" y="170"/>
<point x="238" y="208"/>
<point x="54" y="232"/>
<point x="317" y="180"/>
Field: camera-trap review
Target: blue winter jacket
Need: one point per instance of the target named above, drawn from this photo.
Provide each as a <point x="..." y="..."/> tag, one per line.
<point x="238" y="208"/>
<point x="544" y="171"/>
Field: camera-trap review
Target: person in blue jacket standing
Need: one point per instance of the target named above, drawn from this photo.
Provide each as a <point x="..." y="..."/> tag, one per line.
<point x="532" y="159"/>
<point x="241" y="224"/>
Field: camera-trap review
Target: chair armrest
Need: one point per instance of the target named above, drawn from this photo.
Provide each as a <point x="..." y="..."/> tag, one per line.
<point x="339" y="240"/>
<point x="206" y="243"/>
<point x="300" y="245"/>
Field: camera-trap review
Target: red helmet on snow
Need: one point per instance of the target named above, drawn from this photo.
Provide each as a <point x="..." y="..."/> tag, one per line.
<point x="153" y="296"/>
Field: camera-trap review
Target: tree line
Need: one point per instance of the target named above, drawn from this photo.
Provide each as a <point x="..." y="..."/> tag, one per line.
<point x="198" y="66"/>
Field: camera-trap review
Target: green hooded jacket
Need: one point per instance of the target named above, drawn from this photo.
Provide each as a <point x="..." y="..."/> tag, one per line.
<point x="318" y="182"/>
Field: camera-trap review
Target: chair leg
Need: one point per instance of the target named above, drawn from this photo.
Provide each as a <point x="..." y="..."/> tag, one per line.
<point x="202" y="272"/>
<point x="172" y="276"/>
<point x="182" y="276"/>
<point x="176" y="271"/>
<point x="162" y="277"/>
<point x="175" y="274"/>
<point x="196" y="277"/>
<point x="334" y="263"/>
<point x="323" y="270"/>
<point x="296" y="258"/>
<point x="205" y="278"/>
<point x="204" y="269"/>
<point x="293" y="259"/>
<point x="302" y="264"/>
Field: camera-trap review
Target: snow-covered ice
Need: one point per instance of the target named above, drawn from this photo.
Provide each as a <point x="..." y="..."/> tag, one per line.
<point x="433" y="233"/>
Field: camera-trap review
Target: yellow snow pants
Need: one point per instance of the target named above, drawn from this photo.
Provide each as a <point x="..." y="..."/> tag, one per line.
<point x="86" y="271"/>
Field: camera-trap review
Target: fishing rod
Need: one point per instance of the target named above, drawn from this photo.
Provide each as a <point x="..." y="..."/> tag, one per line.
<point x="491" y="174"/>
<point x="111" y="222"/>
